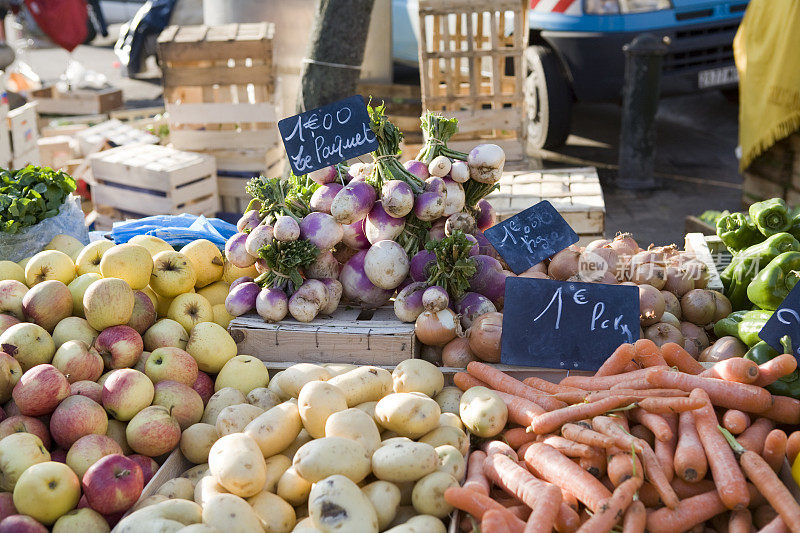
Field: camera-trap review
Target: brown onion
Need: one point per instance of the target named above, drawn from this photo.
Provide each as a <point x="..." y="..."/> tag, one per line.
<point x="651" y="305"/>
<point x="652" y="274"/>
<point x="534" y="275"/>
<point x="672" y="320"/>
<point x="457" y="353"/>
<point x="624" y="244"/>
<point x="722" y="304"/>
<point x="431" y="354"/>
<point x="436" y="329"/>
<point x="662" y="333"/>
<point x="593" y="264"/>
<point x="564" y="264"/>
<point x="695" y="338"/>
<point x="673" y="304"/>
<point x="678" y="281"/>
<point x="599" y="243"/>
<point x="484" y="336"/>
<point x="609" y="279"/>
<point x="723" y="348"/>
<point x="698" y="306"/>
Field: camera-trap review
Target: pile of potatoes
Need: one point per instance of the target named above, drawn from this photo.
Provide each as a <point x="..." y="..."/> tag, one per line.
<point x="322" y="448"/>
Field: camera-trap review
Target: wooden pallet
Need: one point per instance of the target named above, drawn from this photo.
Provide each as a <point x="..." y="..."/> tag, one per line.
<point x="154" y="180"/>
<point x="350" y="335"/>
<point x="715" y="260"/>
<point x="219" y="91"/>
<point x="575" y="193"/>
<point x="51" y="101"/>
<point x="465" y="50"/>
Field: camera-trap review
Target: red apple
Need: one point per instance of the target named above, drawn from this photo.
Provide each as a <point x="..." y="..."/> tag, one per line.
<point x="183" y="402"/>
<point x="25" y="424"/>
<point x="7" y="505"/>
<point x="11" y="408"/>
<point x="173" y="364"/>
<point x="126" y="392"/>
<point x="11" y="294"/>
<point x="78" y="361"/>
<point x="90" y="389"/>
<point x="204" y="386"/>
<point x="147" y="464"/>
<point x="76" y="417"/>
<point x="113" y="484"/>
<point x="47" y="303"/>
<point x="144" y="312"/>
<point x="59" y="455"/>
<point x="153" y="431"/>
<point x="119" y="346"/>
<point x="20" y="523"/>
<point x="88" y="450"/>
<point x="40" y="390"/>
<point x="6" y="321"/>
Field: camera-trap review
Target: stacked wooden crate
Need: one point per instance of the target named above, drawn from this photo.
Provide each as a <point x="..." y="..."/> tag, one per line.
<point x="23" y="130"/>
<point x="52" y="101"/>
<point x="775" y="174"/>
<point x="575" y="193"/>
<point x="471" y="68"/>
<point x="219" y="86"/>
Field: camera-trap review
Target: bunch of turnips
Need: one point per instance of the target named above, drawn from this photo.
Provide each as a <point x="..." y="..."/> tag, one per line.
<point x="369" y="231"/>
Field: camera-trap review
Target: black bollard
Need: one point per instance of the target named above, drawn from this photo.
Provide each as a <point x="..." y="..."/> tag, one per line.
<point x="643" y="58"/>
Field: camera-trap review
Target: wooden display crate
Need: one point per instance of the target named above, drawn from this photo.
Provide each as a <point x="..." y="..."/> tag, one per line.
<point x="403" y="106"/>
<point x="57" y="151"/>
<point x="350" y="335"/>
<point x="51" y="101"/>
<point x="471" y="57"/>
<point x="113" y="132"/>
<point x="715" y="259"/>
<point x="154" y="180"/>
<point x="575" y="193"/>
<point x="219" y="93"/>
<point x="24" y="129"/>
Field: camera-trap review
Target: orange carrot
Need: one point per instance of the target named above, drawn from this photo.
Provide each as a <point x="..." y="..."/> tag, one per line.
<point x="520" y="483"/>
<point x="740" y="522"/>
<point x="775" y="369"/>
<point x="478" y="504"/>
<point x="688" y="513"/>
<point x="665" y="450"/>
<point x="655" y="423"/>
<point x="613" y="509"/>
<point x="687" y="490"/>
<point x="647" y="354"/>
<point x="639" y="394"/>
<point x="548" y="386"/>
<point x="548" y="422"/>
<point x="590" y="383"/>
<point x="616" y="361"/>
<point x="520" y="511"/>
<point x="641" y="432"/>
<point x="630" y="367"/>
<point x="793" y="446"/>
<point x="596" y="464"/>
<point x="476" y="481"/>
<point x="690" y="457"/>
<point x="635" y="518"/>
<point x="611" y="427"/>
<point x="775" y="449"/>
<point x="675" y="355"/>
<point x="570" y="448"/>
<point x="735" y="421"/>
<point x="516" y="437"/>
<point x="784" y="410"/>
<point x="494" y="521"/>
<point x="492" y="447"/>
<point x="571" y="397"/>
<point x="723" y="393"/>
<point x="737" y="369"/>
<point x="586" y="436"/>
<point x="668" y="405"/>
<point x="502" y="382"/>
<point x="622" y="465"/>
<point x="776" y="526"/>
<point x="754" y="436"/>
<point x="551" y="465"/>
<point x="465" y="381"/>
<point x="727" y="475"/>
<point x="636" y="383"/>
<point x="545" y="511"/>
<point x="522" y="449"/>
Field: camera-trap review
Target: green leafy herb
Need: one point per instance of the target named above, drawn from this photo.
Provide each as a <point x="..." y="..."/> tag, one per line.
<point x="436" y="131"/>
<point x="387" y="164"/>
<point x="285" y="259"/>
<point x="30" y="195"/>
<point x="453" y="268"/>
<point x="277" y="196"/>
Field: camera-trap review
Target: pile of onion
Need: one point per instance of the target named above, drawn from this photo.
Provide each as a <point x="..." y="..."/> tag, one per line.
<point x="484" y="336"/>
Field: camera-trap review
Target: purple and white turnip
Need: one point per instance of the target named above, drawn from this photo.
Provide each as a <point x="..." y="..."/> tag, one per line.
<point x="322" y="199"/>
<point x="386" y="264"/>
<point x="357" y="287"/>
<point x="286" y="229"/>
<point x="321" y="230"/>
<point x="408" y="302"/>
<point x="242" y="298"/>
<point x="272" y="304"/>
<point x="236" y="251"/>
<point x="353" y="202"/>
<point x="380" y="226"/>
<point x="259" y="237"/>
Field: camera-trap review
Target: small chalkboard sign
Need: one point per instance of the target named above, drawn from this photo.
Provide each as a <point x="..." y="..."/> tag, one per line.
<point x="328" y="135"/>
<point x="531" y="236"/>
<point x="784" y="321"/>
<point x="566" y="325"/>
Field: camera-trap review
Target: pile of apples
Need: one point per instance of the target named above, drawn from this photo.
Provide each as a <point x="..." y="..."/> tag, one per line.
<point x="107" y="353"/>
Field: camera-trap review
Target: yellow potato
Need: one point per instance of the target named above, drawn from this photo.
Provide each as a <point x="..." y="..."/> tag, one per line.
<point x="450" y="419"/>
<point x="178" y="487"/>
<point x="408" y="414"/>
<point x="369" y="408"/>
<point x="451" y="461"/>
<point x="364" y="384"/>
<point x="404" y="461"/>
<point x="231" y="514"/>
<point x="293" y="488"/>
<point x="206" y="488"/>
<point x="276" y="466"/>
<point x="196" y="473"/>
<point x="219" y="401"/>
<point x="428" y="494"/>
<point x="448" y="399"/>
<point x="336" y="369"/>
<point x="317" y="401"/>
<point x="417" y="375"/>
<point x="330" y="456"/>
<point x="339" y="492"/>
<point x="293" y="378"/>
<point x="419" y="524"/>
<point x="356" y="425"/>
<point x="483" y="412"/>
<point x="276" y="515"/>
<point x="197" y="440"/>
<point x="234" y="418"/>
<point x="236" y="462"/>
<point x="447" y="435"/>
<point x="275" y="430"/>
<point x="302" y="438"/>
<point x="183" y="511"/>
<point x="385" y="498"/>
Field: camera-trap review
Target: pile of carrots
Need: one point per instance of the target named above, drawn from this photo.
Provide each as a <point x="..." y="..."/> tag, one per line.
<point x="651" y="442"/>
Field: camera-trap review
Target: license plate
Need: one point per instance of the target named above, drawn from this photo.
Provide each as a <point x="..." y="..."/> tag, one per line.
<point x="716" y="77"/>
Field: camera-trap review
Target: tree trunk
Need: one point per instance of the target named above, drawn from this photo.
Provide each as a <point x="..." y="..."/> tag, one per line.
<point x="339" y="37"/>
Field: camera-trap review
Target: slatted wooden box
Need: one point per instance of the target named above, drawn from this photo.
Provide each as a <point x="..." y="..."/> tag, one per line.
<point x="472" y="68"/>
<point x="350" y="335"/>
<point x="24" y="129"/>
<point x="113" y="132"/>
<point x="219" y="86"/>
<point x="154" y="180"/>
<point x="51" y="101"/>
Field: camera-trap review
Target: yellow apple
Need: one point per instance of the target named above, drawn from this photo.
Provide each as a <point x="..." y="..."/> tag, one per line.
<point x="24" y="262"/>
<point x="152" y="295"/>
<point x="67" y="244"/>
<point x="73" y="328"/>
<point x="165" y="333"/>
<point x="211" y="346"/>
<point x="242" y="372"/>
<point x="231" y="272"/>
<point x="86" y="520"/>
<point x="88" y="259"/>
<point x="206" y="259"/>
<point x="11" y="270"/>
<point x="221" y="315"/>
<point x="153" y="244"/>
<point x="78" y="287"/>
<point x="215" y="293"/>
<point x="29" y="344"/>
<point x="189" y="310"/>
<point x="47" y="491"/>
<point x="108" y="302"/>
<point x="18" y="452"/>
<point x="48" y="265"/>
<point x="173" y="274"/>
<point x="129" y="262"/>
<point x="116" y="431"/>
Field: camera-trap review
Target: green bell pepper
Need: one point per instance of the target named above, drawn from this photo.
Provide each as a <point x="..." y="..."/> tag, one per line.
<point x="744" y="325"/>
<point x="746" y="264"/>
<point x="787" y="385"/>
<point x="773" y="283"/>
<point x="771" y="216"/>
<point x="738" y="232"/>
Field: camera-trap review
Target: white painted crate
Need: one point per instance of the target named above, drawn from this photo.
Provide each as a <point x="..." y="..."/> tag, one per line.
<point x="22" y="124"/>
<point x="152" y="180"/>
<point x="114" y="132"/>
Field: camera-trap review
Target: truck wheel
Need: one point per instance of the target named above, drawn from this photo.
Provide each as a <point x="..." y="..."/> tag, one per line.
<point x="548" y="97"/>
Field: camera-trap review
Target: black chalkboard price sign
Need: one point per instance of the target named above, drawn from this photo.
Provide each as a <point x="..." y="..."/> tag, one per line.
<point x="327" y="135"/>
<point x="784" y="321"/>
<point x="531" y="236"/>
<point x="566" y="325"/>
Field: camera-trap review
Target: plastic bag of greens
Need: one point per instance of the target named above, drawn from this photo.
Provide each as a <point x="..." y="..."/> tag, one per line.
<point x="30" y="240"/>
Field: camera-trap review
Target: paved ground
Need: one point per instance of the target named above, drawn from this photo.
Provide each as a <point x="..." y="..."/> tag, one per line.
<point x="695" y="155"/>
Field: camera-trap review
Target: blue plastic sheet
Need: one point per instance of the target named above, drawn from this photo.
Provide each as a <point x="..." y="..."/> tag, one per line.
<point x="177" y="230"/>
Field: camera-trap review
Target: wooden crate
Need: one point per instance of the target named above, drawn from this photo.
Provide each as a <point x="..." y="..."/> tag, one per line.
<point x="57" y="151"/>
<point x="234" y="177"/>
<point x="219" y="92"/>
<point x="697" y="244"/>
<point x="31" y="157"/>
<point x="575" y="193"/>
<point x="24" y="129"/>
<point x="350" y="335"/>
<point x="471" y="57"/>
<point x="5" y="138"/>
<point x="113" y="132"/>
<point x="51" y="101"/>
<point x="51" y="126"/>
<point x="154" y="180"/>
<point x="403" y="106"/>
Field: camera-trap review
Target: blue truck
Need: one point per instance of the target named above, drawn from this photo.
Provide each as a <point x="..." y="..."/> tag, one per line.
<point x="575" y="52"/>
